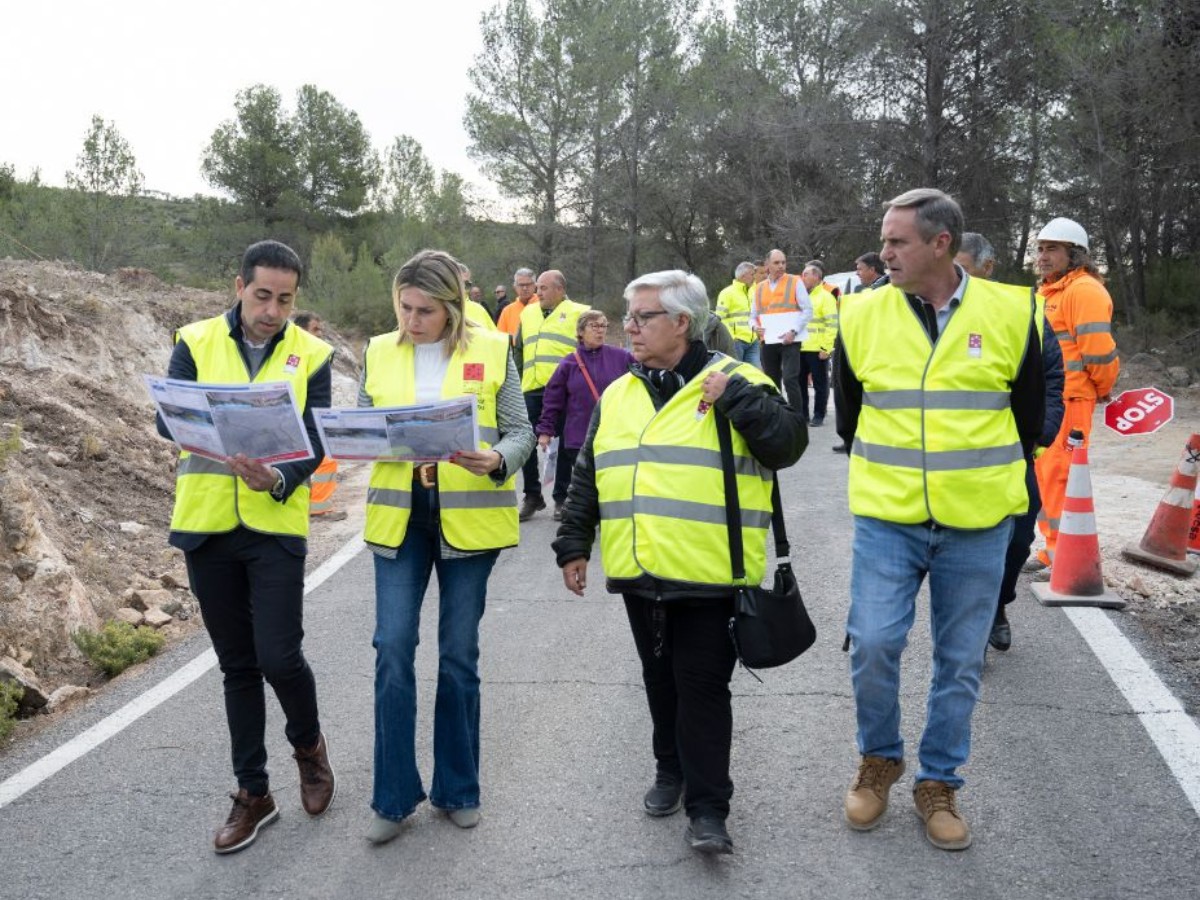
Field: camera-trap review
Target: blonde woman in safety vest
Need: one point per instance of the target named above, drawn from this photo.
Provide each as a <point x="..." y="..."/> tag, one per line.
<point x="243" y="528"/>
<point x="453" y="516"/>
<point x="649" y="474"/>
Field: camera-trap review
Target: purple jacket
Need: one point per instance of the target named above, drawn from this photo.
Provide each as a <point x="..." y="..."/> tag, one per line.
<point x="568" y="391"/>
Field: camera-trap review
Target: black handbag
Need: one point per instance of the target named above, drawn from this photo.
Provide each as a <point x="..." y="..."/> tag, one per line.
<point x="769" y="627"/>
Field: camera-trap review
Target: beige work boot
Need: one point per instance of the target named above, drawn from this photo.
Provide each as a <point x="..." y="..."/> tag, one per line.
<point x="944" y="827"/>
<point x="867" y="799"/>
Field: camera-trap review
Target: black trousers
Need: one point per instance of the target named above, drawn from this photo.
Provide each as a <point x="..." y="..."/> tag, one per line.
<point x="531" y="481"/>
<point x="251" y="592"/>
<point x="1021" y="540"/>
<point x="687" y="661"/>
<point x="782" y="364"/>
<point x="566" y="461"/>
<point x="812" y="364"/>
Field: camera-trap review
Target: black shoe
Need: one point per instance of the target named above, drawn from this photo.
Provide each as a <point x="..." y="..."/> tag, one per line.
<point x="558" y="510"/>
<point x="666" y="797"/>
<point x="707" y="834"/>
<point x="532" y="503"/>
<point x="840" y="448"/>
<point x="814" y="422"/>
<point x="1001" y="636"/>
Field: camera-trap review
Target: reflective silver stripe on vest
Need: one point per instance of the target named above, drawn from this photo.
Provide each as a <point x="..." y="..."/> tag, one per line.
<point x="1063" y="336"/>
<point x="489" y="434"/>
<point x="616" y="509"/>
<point x="547" y="359"/>
<point x="610" y="459"/>
<point x="1094" y="328"/>
<point x="557" y="339"/>
<point x="698" y="456"/>
<point x="378" y="496"/>
<point x="1073" y="365"/>
<point x="939" y="461"/>
<point x="202" y="465"/>
<point x="697" y="512"/>
<point x="1099" y="360"/>
<point x="476" y="499"/>
<point x="918" y="399"/>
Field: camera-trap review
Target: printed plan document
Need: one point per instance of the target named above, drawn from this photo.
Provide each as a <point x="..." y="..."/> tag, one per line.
<point x="220" y="421"/>
<point x="423" y="432"/>
<point x="776" y="325"/>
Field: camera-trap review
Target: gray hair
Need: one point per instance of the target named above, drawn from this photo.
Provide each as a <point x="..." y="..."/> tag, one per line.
<point x="742" y="269"/>
<point x="586" y="318"/>
<point x="680" y="293"/>
<point x="527" y="272"/>
<point x="976" y="246"/>
<point x="936" y="212"/>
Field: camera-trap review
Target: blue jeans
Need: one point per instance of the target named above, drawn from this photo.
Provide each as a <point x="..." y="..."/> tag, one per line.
<point x="964" y="569"/>
<point x="399" y="589"/>
<point x="748" y="351"/>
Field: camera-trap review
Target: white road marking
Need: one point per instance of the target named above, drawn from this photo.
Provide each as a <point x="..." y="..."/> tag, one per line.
<point x="61" y="757"/>
<point x="1173" y="731"/>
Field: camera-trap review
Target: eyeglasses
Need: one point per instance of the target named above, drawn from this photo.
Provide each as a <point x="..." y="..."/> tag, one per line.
<point x="597" y="326"/>
<point x="641" y="320"/>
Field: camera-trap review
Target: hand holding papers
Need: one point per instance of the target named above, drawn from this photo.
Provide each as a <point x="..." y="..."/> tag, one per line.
<point x="220" y="421"/>
<point x="424" y="432"/>
<point x="776" y="325"/>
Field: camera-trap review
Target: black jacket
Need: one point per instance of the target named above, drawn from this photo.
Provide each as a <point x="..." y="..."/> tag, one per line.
<point x="774" y="433"/>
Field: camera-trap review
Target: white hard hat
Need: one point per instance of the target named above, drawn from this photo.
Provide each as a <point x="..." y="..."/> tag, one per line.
<point x="1066" y="230"/>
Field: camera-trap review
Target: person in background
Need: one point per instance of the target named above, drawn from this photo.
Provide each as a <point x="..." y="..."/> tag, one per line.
<point x="978" y="259"/>
<point x="782" y="293"/>
<point x="575" y="389"/>
<point x="650" y="471"/>
<point x="500" y="293"/>
<point x="324" y="479"/>
<point x="717" y="337"/>
<point x="733" y="307"/>
<point x="472" y="303"/>
<point x="454" y="517"/>
<point x="243" y="528"/>
<point x="547" y="334"/>
<point x="872" y="272"/>
<point x="817" y="347"/>
<point x="939" y="397"/>
<point x="526" y="288"/>
<point x="1079" y="310"/>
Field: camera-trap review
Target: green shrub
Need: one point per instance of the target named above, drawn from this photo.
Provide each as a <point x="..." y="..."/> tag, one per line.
<point x="118" y="645"/>
<point x="10" y="696"/>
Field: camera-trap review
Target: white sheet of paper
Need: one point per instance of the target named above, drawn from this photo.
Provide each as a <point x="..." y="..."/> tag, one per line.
<point x="776" y="325"/>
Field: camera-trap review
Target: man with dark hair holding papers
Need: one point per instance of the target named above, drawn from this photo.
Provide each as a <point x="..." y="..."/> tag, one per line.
<point x="243" y="528"/>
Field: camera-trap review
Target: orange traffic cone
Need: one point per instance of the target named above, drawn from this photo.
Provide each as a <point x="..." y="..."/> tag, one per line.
<point x="1075" y="578"/>
<point x="1166" y="539"/>
<point x="1194" y="531"/>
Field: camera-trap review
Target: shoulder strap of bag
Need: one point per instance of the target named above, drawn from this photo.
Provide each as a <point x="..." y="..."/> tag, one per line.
<point x="586" y="377"/>
<point x="733" y="510"/>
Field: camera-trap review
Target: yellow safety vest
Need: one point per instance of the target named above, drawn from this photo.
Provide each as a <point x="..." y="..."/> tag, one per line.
<point x="822" y="329"/>
<point x="936" y="437"/>
<point x="733" y="306"/>
<point x="546" y="339"/>
<point x="662" y="489"/>
<point x="209" y="498"/>
<point x="476" y="312"/>
<point x="476" y="513"/>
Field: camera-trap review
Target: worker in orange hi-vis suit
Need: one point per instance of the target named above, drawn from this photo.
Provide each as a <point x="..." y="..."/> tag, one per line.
<point x="1079" y="309"/>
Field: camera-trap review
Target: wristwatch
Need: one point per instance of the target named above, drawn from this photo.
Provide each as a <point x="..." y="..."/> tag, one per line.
<point x="280" y="485"/>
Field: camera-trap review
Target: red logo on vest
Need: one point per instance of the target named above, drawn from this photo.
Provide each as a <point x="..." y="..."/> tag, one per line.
<point x="293" y="361"/>
<point x="472" y="371"/>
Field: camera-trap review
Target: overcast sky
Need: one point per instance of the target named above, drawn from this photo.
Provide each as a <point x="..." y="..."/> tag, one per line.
<point x="167" y="75"/>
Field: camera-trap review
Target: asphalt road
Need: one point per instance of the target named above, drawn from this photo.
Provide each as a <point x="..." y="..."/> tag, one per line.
<point x="1066" y="793"/>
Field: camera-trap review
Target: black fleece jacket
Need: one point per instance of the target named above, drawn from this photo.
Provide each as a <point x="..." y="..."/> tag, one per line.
<point x="775" y="435"/>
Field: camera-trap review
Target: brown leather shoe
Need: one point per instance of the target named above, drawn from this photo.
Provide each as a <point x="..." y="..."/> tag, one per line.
<point x="248" y="815"/>
<point x="317" y="783"/>
<point x="944" y="827"/>
<point x="867" y="799"/>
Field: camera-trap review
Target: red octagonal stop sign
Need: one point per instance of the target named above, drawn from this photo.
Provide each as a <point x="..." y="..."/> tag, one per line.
<point x="1140" y="411"/>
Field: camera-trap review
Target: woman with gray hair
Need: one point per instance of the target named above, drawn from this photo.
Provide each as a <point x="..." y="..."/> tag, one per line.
<point x="649" y="474"/>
